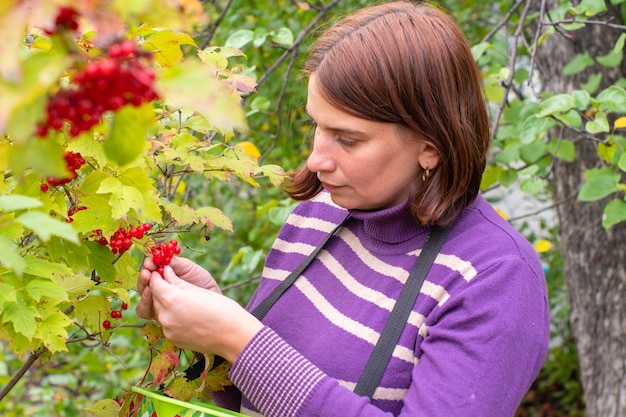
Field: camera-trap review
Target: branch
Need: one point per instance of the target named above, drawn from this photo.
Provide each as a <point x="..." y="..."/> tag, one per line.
<point x="22" y="371"/>
<point x="585" y="22"/>
<point x="503" y="22"/>
<point x="296" y="44"/>
<point x="213" y="27"/>
<point x="512" y="59"/>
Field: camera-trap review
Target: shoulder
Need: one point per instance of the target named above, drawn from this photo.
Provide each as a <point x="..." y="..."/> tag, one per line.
<point x="480" y="229"/>
<point x="319" y="213"/>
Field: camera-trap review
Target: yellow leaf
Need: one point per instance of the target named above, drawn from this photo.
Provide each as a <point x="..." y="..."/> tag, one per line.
<point x="166" y="46"/>
<point x="501" y="213"/>
<point x="543" y="245"/>
<point x="619" y="123"/>
<point x="249" y="148"/>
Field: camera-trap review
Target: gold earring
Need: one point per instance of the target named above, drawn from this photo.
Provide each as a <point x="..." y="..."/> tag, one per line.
<point x="426" y="172"/>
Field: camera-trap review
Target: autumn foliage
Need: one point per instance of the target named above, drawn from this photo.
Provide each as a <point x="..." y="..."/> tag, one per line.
<point x="108" y="110"/>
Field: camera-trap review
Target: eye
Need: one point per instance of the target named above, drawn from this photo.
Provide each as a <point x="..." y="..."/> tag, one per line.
<point x="345" y="142"/>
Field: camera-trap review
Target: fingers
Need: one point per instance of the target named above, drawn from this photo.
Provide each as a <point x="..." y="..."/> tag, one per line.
<point x="145" y="309"/>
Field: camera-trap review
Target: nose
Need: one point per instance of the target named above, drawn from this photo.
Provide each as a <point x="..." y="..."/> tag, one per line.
<point x="321" y="158"/>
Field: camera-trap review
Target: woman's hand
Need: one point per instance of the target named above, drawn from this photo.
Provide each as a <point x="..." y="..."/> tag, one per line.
<point x="184" y="268"/>
<point x="199" y="319"/>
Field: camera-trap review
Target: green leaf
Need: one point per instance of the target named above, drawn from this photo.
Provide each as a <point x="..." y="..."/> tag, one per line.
<point x="490" y="176"/>
<point x="283" y="37"/>
<point x="621" y="164"/>
<point x="10" y="257"/>
<point x="44" y="268"/>
<point x="75" y="285"/>
<point x="532" y="185"/>
<point x="123" y="198"/>
<point x="7" y="293"/>
<point x="599" y="124"/>
<point x="18" y="202"/>
<point x="44" y="157"/>
<point x="45" y="226"/>
<point x="260" y="36"/>
<point x="184" y="215"/>
<point x="593" y="83"/>
<point x="555" y="104"/>
<point x="589" y="7"/>
<point x="578" y="64"/>
<point x="606" y="152"/>
<point x="212" y="216"/>
<point x="194" y="87"/>
<point x="583" y="99"/>
<point x="22" y="318"/>
<point x="563" y="149"/>
<point x="614" y="58"/>
<point x="614" y="212"/>
<point x="104" y="408"/>
<point x="532" y="152"/>
<point x="571" y="118"/>
<point x="127" y="137"/>
<point x="240" y="38"/>
<point x="507" y="177"/>
<point x="23" y="102"/>
<point x="39" y="288"/>
<point x="600" y="183"/>
<point x="53" y="332"/>
<point x="90" y="311"/>
<point x="612" y="99"/>
<point x="479" y="50"/>
<point x="274" y="173"/>
<point x="534" y="128"/>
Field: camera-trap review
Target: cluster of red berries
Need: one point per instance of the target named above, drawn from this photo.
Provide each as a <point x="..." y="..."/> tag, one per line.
<point x="97" y="236"/>
<point x="73" y="162"/>
<point x="119" y="78"/>
<point x="115" y="314"/>
<point x="72" y="210"/>
<point x="67" y="18"/>
<point x="162" y="254"/>
<point x="121" y="240"/>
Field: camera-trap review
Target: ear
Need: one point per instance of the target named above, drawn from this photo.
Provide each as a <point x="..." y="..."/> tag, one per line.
<point x="429" y="157"/>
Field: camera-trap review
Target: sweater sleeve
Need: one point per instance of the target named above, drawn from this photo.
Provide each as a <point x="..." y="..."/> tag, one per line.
<point x="480" y="355"/>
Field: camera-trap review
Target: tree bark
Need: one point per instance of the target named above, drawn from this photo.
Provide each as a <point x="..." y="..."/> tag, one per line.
<point x="594" y="259"/>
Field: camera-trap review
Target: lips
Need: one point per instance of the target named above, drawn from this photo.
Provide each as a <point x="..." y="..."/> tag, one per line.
<point x="330" y="187"/>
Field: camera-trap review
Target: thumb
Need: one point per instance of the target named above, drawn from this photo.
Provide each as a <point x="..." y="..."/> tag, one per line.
<point x="170" y="276"/>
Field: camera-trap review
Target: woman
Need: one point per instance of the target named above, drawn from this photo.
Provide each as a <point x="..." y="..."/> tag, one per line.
<point x="400" y="144"/>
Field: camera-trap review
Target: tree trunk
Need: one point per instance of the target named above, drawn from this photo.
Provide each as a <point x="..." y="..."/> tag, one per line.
<point x="594" y="259"/>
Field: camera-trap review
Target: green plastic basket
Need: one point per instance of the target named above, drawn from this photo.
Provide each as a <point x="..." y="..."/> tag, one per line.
<point x="153" y="400"/>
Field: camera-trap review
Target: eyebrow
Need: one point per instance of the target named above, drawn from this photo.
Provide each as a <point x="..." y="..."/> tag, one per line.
<point x="337" y="129"/>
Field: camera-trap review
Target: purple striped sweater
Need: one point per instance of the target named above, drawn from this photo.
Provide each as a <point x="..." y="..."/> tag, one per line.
<point x="474" y="343"/>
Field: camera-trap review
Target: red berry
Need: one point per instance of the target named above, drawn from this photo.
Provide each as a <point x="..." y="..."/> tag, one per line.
<point x="124" y="306"/>
<point x="116" y="314"/>
<point x="43" y="187"/>
<point x="106" y="324"/>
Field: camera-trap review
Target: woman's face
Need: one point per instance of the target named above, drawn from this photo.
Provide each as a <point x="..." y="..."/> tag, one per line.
<point x="365" y="165"/>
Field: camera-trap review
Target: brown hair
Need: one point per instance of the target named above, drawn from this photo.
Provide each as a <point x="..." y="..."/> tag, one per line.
<point x="411" y="65"/>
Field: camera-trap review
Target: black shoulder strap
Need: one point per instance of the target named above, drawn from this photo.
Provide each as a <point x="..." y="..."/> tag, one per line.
<point x="394" y="326"/>
<point x="264" y="306"/>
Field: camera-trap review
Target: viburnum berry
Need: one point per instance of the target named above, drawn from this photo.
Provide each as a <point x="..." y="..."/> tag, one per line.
<point x="106" y="83"/>
<point x="73" y="162"/>
<point x="124" y="306"/>
<point x="106" y="324"/>
<point x="44" y="187"/>
<point x="116" y="314"/>
<point x="121" y="240"/>
<point x="67" y="18"/>
<point x="162" y="254"/>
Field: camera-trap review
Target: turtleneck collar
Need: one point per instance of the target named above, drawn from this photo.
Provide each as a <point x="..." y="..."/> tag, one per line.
<point x="392" y="225"/>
